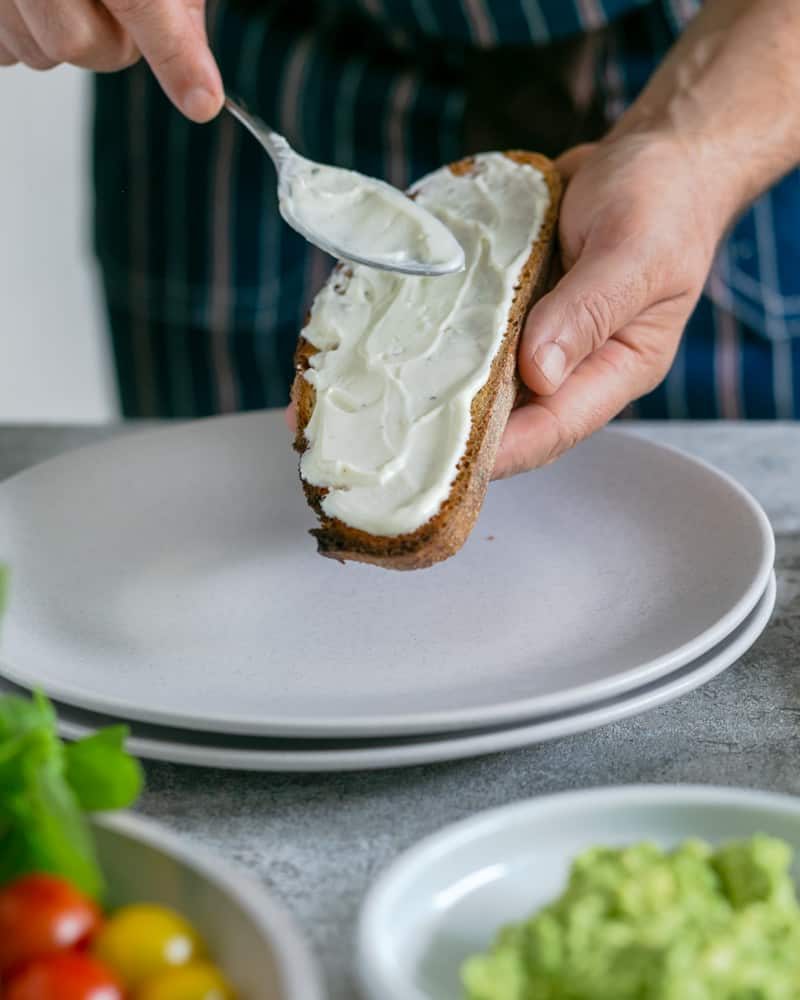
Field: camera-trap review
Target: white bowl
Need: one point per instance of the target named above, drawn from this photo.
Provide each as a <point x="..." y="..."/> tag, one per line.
<point x="446" y="898"/>
<point x="250" y="936"/>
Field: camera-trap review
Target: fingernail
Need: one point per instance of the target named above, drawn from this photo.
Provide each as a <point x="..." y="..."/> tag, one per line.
<point x="199" y="104"/>
<point x="552" y="362"/>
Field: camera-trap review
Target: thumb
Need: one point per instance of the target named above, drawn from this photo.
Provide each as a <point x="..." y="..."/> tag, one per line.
<point x="602" y="292"/>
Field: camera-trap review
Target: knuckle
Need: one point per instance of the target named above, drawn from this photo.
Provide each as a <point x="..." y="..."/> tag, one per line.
<point x="71" y="45"/>
<point x="593" y="317"/>
<point x="564" y="437"/>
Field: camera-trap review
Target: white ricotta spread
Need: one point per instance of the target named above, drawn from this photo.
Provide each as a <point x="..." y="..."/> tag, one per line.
<point x="401" y="358"/>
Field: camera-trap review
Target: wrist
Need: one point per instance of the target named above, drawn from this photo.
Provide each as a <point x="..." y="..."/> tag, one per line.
<point x="728" y="94"/>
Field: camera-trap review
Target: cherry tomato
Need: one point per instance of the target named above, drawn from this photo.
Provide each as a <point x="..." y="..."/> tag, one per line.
<point x="142" y="939"/>
<point x="40" y="914"/>
<point x="65" y="975"/>
<point x="195" y="981"/>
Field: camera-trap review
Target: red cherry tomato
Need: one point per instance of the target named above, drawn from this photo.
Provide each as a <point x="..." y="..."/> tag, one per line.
<point x="41" y="914"/>
<point x="65" y="975"/>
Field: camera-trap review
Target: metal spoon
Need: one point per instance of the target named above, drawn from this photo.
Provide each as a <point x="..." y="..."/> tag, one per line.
<point x="341" y="211"/>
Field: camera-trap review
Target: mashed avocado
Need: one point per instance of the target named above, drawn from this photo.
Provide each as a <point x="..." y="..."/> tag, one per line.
<point x="639" y="923"/>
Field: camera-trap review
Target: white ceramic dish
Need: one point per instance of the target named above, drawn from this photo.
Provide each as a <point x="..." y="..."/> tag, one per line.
<point x="447" y="897"/>
<point x="252" y="753"/>
<point x="250" y="935"/>
<point x="167" y="577"/>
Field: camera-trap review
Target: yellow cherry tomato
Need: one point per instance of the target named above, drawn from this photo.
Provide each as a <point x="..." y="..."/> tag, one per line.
<point x="195" y="981"/>
<point x="143" y="939"/>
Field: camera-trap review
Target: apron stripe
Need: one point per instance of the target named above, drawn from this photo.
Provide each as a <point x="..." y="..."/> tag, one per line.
<point x="291" y="117"/>
<point x="268" y="300"/>
<point x="178" y="334"/>
<point x="783" y="379"/>
<point x="314" y="111"/>
<point x="424" y="14"/>
<point x="139" y="199"/>
<point x="675" y="386"/>
<point x="162" y="118"/>
<point x="318" y="268"/>
<point x="727" y="363"/>
<point x="248" y="211"/>
<point x="537" y="25"/>
<point x="196" y="224"/>
<point x="758" y="402"/>
<point x="728" y="352"/>
<point x="481" y="27"/>
<point x="219" y="304"/>
<point x="591" y="13"/>
<point x="451" y="132"/>
<point x="401" y="100"/>
<point x="270" y="291"/>
<point x="782" y="375"/>
<point x="614" y="80"/>
<point x="796" y="369"/>
<point x="368" y="150"/>
<point x="699" y="349"/>
<point x="344" y="111"/>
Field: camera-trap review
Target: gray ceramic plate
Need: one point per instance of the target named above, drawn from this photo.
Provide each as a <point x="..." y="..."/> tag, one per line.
<point x="168" y="577"/>
<point x="185" y="746"/>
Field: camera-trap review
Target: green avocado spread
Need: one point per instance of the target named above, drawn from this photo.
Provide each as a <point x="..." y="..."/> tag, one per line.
<point x="639" y="923"/>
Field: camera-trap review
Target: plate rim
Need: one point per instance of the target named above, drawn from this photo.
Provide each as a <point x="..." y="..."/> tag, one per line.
<point x="421" y="855"/>
<point x="298" y="967"/>
<point x="469" y="745"/>
<point x="441" y="721"/>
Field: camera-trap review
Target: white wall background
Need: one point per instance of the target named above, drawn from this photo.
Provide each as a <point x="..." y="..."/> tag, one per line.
<point x="54" y="360"/>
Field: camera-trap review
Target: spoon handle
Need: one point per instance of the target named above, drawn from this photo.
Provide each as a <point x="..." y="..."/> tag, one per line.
<point x="278" y="148"/>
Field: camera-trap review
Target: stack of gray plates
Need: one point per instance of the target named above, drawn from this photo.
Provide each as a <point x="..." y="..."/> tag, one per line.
<point x="166" y="578"/>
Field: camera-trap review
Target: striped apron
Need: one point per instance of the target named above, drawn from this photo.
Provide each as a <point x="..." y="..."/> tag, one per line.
<point x="206" y="287"/>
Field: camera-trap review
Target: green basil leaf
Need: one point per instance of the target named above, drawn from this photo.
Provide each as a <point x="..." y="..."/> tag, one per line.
<point x="42" y="827"/>
<point x="45" y="787"/>
<point x="101" y="773"/>
<point x="21" y="715"/>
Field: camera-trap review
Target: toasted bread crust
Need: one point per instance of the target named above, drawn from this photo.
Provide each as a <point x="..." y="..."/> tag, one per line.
<point x="445" y="533"/>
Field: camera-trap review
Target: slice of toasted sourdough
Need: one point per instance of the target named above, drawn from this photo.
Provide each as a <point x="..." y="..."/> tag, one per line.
<point x="446" y="530"/>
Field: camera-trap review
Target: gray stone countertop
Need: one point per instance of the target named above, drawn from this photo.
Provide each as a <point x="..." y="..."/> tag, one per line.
<point x="319" y="840"/>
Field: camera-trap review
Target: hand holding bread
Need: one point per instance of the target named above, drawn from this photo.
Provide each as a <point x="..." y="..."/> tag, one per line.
<point x="637" y="234"/>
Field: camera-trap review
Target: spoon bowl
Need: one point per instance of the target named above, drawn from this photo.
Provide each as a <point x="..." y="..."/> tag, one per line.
<point x="353" y="217"/>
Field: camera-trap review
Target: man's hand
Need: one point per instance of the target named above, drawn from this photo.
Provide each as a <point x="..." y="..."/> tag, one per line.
<point x="716" y="125"/>
<point x="169" y="34"/>
<point x="637" y="234"/>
